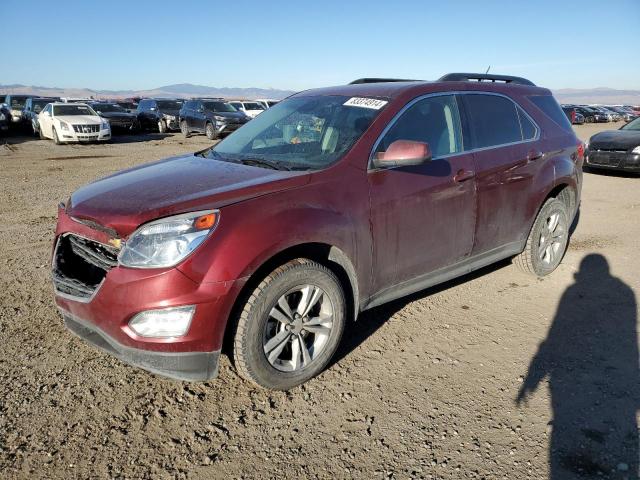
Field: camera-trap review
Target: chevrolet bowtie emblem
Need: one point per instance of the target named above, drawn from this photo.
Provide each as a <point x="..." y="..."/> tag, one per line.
<point x="116" y="242"/>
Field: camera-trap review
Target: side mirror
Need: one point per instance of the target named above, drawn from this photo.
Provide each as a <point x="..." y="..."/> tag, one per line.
<point x="403" y="153"/>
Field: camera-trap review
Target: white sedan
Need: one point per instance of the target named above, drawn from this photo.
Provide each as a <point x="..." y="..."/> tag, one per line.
<point x="72" y="122"/>
<point x="250" y="108"/>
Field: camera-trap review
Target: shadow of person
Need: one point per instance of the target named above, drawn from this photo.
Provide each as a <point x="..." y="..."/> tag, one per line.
<point x="590" y="357"/>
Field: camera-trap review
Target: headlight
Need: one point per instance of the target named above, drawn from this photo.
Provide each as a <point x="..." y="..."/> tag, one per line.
<point x="105" y="125"/>
<point x="219" y="119"/>
<point x="64" y="125"/>
<point x="636" y="150"/>
<point x="168" y="241"/>
<point x="2" y="116"/>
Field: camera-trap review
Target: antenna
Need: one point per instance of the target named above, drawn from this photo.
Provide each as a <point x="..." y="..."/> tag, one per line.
<point x="488" y="68"/>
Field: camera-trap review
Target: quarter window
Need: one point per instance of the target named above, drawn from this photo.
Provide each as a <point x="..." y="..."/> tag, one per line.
<point x="529" y="130"/>
<point x="433" y="120"/>
<point x="493" y="120"/>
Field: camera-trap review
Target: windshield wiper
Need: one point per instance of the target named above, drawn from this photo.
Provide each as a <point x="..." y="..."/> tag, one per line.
<point x="265" y="163"/>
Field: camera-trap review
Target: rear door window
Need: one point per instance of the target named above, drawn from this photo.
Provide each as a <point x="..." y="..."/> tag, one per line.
<point x="493" y="121"/>
<point x="434" y="120"/>
<point x="552" y="109"/>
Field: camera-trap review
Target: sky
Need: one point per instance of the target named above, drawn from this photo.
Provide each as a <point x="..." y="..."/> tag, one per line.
<point x="140" y="44"/>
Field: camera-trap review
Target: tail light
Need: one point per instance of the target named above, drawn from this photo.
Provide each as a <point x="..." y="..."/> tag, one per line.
<point x="573" y="116"/>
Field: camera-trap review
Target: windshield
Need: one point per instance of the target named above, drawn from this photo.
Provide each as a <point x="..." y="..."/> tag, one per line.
<point x="17" y="103"/>
<point x="107" y="107"/>
<point x="271" y="103"/>
<point x="169" y="104"/>
<point x="130" y="106"/>
<point x="299" y="133"/>
<point x="60" y="110"/>
<point x="632" y="125"/>
<point x="218" y="107"/>
<point x="253" y="106"/>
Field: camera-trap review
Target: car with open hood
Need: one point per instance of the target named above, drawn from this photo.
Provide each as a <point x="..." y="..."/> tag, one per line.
<point x="72" y="123"/>
<point x="329" y="203"/>
<point x="615" y="149"/>
<point x="159" y="114"/>
<point x="32" y="108"/>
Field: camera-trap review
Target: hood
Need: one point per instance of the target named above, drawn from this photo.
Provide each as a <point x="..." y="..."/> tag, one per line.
<point x="231" y="115"/>
<point x="615" y="140"/>
<point x="80" y="119"/>
<point x="127" y="199"/>
<point x="117" y="115"/>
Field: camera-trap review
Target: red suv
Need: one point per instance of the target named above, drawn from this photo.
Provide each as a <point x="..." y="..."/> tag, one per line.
<point x="332" y="202"/>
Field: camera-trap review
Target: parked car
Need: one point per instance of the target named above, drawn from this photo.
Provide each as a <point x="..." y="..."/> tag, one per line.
<point x="16" y="105"/>
<point x="251" y="108"/>
<point x="159" y="114"/>
<point x="329" y="203"/>
<point x="211" y="116"/>
<point x="5" y="117"/>
<point x="118" y="117"/>
<point x="32" y="108"/>
<point x="266" y="102"/>
<point x="570" y="112"/>
<point x="626" y="114"/>
<point x="72" y="122"/>
<point x="611" y="116"/>
<point x="592" y="115"/>
<point x="615" y="149"/>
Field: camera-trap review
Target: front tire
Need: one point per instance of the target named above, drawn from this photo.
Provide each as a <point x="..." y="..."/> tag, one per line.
<point x="290" y="326"/>
<point x="548" y="240"/>
<point x="56" y="140"/>
<point x="162" y="126"/>
<point x="184" y="128"/>
<point x="210" y="131"/>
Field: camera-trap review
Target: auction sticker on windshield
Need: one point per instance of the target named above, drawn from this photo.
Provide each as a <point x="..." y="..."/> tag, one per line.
<point x="372" y="103"/>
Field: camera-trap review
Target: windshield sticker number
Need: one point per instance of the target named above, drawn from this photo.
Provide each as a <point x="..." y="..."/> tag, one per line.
<point x="362" y="102"/>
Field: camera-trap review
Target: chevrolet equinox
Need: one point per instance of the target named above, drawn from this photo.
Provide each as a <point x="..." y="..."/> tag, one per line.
<point x="331" y="202"/>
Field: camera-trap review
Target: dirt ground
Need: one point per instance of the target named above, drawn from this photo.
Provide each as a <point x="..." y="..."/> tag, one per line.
<point x="425" y="387"/>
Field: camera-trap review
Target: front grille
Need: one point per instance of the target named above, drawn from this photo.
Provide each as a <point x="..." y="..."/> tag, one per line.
<point x="80" y="265"/>
<point x="86" y="128"/>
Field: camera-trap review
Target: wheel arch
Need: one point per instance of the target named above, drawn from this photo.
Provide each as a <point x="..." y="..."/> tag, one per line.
<point x="328" y="255"/>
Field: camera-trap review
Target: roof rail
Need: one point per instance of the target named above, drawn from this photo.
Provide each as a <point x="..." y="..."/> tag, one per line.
<point x="486" y="77"/>
<point x="381" y="80"/>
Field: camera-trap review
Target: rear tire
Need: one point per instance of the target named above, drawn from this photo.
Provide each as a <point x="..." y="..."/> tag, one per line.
<point x="290" y="325"/>
<point x="210" y="131"/>
<point x="548" y="240"/>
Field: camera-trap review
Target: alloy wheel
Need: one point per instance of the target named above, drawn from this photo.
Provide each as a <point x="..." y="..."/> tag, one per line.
<point x="552" y="238"/>
<point x="298" y="328"/>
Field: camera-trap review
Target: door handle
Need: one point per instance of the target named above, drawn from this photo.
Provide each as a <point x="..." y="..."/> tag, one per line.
<point x="534" y="155"/>
<point x="463" y="175"/>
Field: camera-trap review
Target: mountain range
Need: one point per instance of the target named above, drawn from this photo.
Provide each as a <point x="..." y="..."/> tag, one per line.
<point x="181" y="90"/>
<point x="604" y="96"/>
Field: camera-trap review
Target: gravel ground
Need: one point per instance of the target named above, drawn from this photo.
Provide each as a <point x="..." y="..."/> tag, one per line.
<point x="425" y="387"/>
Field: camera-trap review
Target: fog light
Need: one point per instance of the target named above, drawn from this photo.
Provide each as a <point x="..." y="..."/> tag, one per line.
<point x="164" y="323"/>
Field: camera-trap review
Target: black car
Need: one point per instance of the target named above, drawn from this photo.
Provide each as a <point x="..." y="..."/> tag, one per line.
<point x="159" y="114"/>
<point x="32" y="107"/>
<point x="5" y="117"/>
<point x="118" y="117"/>
<point x="211" y="116"/>
<point x="590" y="115"/>
<point x="616" y="149"/>
<point x="16" y="105"/>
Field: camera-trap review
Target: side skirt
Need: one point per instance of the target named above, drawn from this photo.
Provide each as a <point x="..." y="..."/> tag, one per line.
<point x="443" y="275"/>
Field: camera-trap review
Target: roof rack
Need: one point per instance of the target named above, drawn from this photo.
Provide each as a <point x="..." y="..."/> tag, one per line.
<point x="381" y="80"/>
<point x="484" y="77"/>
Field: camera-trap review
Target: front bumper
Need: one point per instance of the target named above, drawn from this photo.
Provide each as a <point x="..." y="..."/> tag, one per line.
<point x="613" y="160"/>
<point x="226" y="128"/>
<point x="72" y="136"/>
<point x="188" y="366"/>
<point x="101" y="314"/>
